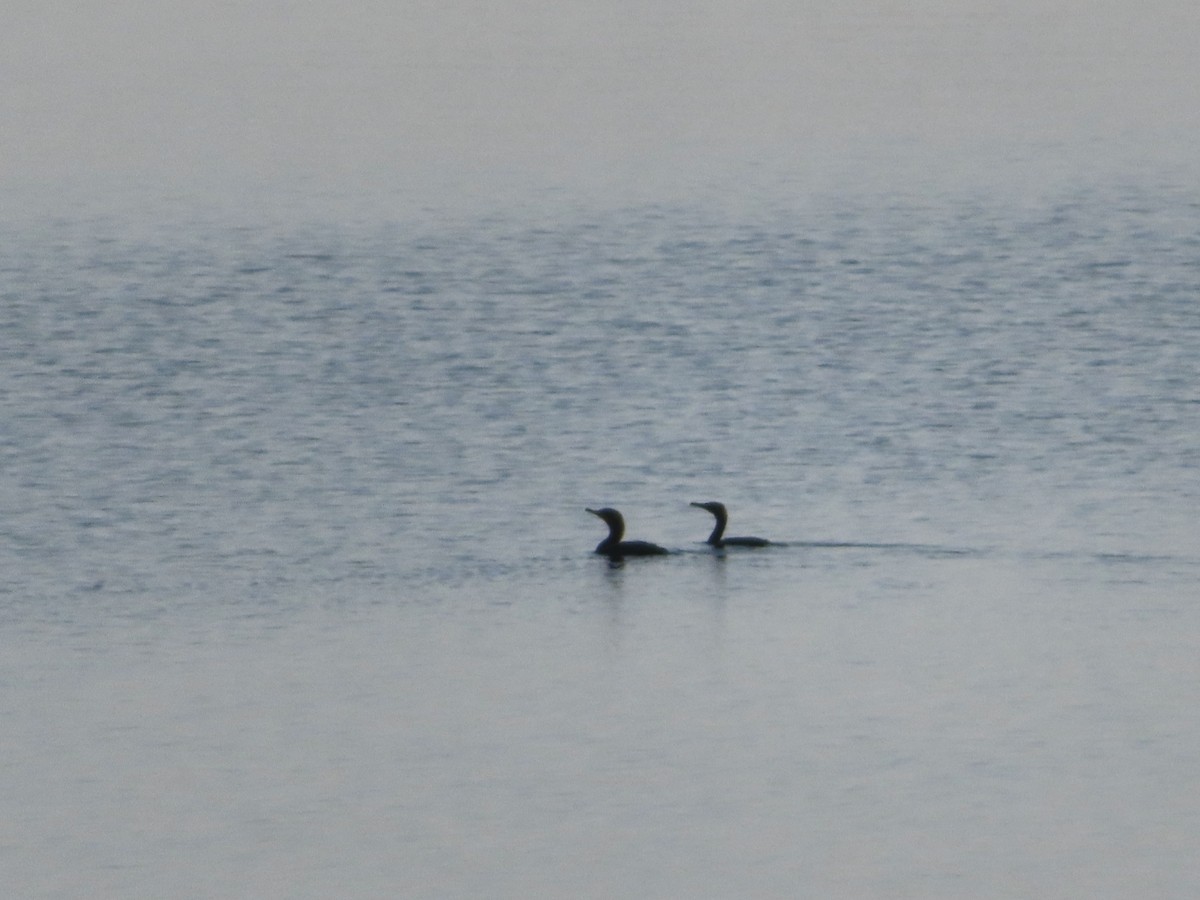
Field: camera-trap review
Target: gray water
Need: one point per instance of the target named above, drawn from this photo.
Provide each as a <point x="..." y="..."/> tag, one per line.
<point x="297" y="596"/>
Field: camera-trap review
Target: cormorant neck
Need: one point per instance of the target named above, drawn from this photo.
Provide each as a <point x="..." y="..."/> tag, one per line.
<point x="718" y="530"/>
<point x="609" y="543"/>
<point x="616" y="531"/>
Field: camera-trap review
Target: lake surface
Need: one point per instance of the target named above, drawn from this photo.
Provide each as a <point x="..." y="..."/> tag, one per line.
<point x="297" y="596"/>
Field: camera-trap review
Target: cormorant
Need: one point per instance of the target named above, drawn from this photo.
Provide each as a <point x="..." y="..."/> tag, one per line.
<point x="716" y="539"/>
<point x="615" y="548"/>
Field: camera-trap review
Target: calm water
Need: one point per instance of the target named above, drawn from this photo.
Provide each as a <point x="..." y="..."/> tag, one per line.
<point x="297" y="598"/>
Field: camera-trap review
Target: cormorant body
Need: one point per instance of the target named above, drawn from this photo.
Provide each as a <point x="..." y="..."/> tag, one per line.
<point x="717" y="538"/>
<point x="615" y="548"/>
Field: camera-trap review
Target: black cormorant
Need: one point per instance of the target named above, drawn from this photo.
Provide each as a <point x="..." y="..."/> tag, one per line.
<point x="717" y="539"/>
<point x="615" y="548"/>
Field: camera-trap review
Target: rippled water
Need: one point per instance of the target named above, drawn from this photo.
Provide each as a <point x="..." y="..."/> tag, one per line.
<point x="297" y="596"/>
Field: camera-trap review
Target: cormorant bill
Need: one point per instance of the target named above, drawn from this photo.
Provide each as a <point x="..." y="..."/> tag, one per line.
<point x="716" y="539"/>
<point x="615" y="548"/>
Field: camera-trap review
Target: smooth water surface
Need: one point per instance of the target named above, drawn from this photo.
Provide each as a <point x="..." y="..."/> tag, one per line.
<point x="297" y="597"/>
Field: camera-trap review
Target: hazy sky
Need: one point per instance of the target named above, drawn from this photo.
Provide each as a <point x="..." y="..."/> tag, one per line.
<point x="403" y="91"/>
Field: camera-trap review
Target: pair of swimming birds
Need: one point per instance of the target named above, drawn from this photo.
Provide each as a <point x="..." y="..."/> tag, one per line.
<point x="615" y="548"/>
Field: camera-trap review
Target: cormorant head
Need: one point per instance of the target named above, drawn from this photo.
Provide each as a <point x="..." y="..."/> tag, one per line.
<point x="717" y="509"/>
<point x="614" y="520"/>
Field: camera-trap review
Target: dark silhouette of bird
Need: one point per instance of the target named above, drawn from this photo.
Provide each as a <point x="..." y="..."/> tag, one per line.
<point x="615" y="548"/>
<point x="717" y="538"/>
